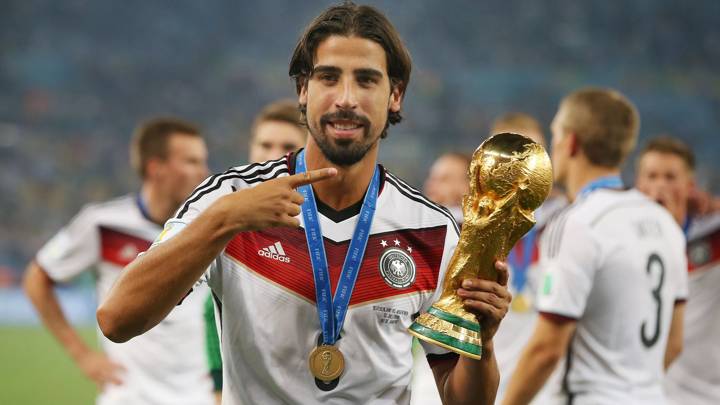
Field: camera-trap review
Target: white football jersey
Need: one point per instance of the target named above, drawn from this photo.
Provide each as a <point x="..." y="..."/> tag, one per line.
<point x="694" y="378"/>
<point x="263" y="286"/>
<point x="614" y="261"/>
<point x="517" y="326"/>
<point x="166" y="365"/>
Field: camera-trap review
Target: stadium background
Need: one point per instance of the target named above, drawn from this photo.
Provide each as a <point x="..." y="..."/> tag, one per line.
<point x="77" y="75"/>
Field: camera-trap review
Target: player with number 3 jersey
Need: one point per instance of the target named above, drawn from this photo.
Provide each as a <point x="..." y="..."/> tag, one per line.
<point x="614" y="268"/>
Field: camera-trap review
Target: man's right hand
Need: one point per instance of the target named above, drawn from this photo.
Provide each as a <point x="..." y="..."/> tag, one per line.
<point x="274" y="203"/>
<point x="98" y="367"/>
<point x="152" y="285"/>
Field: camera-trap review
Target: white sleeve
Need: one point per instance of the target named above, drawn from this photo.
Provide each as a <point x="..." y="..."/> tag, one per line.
<point x="681" y="291"/>
<point x="203" y="197"/>
<point x="568" y="261"/>
<point x="451" y="241"/>
<point x="73" y="250"/>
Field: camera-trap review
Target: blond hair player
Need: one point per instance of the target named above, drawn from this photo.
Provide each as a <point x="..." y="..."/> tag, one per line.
<point x="614" y="268"/>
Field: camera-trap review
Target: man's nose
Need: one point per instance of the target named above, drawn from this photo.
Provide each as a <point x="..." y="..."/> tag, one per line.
<point x="347" y="99"/>
<point x="277" y="152"/>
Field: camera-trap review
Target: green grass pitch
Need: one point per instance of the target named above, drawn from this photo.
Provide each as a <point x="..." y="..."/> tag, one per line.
<point x="34" y="369"/>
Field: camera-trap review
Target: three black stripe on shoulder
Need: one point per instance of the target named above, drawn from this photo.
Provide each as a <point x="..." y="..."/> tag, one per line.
<point x="415" y="195"/>
<point x="556" y="234"/>
<point x="253" y="173"/>
<point x="556" y="228"/>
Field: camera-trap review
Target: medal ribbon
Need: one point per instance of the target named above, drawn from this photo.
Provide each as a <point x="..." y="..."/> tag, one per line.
<point x="602" y="182"/>
<point x="686" y="225"/>
<point x="520" y="264"/>
<point x="332" y="311"/>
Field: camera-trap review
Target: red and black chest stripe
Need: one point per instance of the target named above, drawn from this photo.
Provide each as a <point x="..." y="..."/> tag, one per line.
<point x="120" y="248"/>
<point x="292" y="270"/>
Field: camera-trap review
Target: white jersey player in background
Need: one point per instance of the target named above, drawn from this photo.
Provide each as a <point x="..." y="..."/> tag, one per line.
<point x="167" y="365"/>
<point x="519" y="322"/>
<point x="665" y="172"/>
<point x="614" y="268"/>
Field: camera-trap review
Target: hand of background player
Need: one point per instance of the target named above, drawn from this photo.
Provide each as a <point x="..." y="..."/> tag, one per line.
<point x="98" y="367"/>
<point x="273" y="203"/>
<point x="672" y="202"/>
<point x="700" y="202"/>
<point x="488" y="300"/>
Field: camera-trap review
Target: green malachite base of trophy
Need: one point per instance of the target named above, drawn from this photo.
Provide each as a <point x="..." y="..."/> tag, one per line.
<point x="449" y="331"/>
<point x="510" y="177"/>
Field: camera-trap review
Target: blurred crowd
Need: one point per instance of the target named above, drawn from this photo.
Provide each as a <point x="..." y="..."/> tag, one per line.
<point x="78" y="75"/>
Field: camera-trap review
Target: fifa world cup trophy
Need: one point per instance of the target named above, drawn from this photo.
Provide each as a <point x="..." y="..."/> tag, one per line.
<point x="510" y="177"/>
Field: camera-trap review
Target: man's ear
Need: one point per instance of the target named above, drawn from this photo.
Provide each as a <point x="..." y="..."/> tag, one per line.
<point x="302" y="95"/>
<point x="396" y="96"/>
<point x="574" y="144"/>
<point x="153" y="167"/>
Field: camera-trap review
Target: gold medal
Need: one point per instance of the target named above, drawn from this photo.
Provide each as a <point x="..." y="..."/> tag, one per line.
<point x="520" y="303"/>
<point x="326" y="363"/>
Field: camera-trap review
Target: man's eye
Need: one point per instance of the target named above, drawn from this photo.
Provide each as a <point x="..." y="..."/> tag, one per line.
<point x="367" y="81"/>
<point x="327" y="77"/>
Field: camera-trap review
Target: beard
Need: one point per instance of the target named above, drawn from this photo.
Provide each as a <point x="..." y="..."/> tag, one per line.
<point x="343" y="152"/>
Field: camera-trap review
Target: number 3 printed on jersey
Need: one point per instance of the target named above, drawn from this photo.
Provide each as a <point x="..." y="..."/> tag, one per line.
<point x="654" y="265"/>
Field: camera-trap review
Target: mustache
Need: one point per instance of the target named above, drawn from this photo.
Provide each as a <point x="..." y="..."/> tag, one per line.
<point x="347" y="115"/>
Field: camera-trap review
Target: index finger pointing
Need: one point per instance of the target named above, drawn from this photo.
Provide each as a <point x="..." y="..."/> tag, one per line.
<point x="310" y="177"/>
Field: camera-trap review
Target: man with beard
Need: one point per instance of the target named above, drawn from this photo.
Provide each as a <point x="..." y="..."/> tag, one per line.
<point x="300" y="325"/>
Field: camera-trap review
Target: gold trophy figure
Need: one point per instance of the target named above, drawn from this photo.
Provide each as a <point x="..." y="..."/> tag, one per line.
<point x="510" y="177"/>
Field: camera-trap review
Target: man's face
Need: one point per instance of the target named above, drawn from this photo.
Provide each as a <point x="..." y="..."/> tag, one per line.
<point x="448" y="181"/>
<point x="184" y="168"/>
<point x="274" y="139"/>
<point x="561" y="148"/>
<point x="665" y="178"/>
<point x="348" y="96"/>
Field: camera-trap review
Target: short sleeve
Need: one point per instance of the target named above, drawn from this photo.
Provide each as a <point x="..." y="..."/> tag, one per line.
<point x="207" y="193"/>
<point x="73" y="250"/>
<point x="451" y="240"/>
<point x="568" y="262"/>
<point x="681" y="271"/>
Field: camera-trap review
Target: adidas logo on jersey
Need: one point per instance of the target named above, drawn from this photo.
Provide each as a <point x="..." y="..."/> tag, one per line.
<point x="274" y="252"/>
